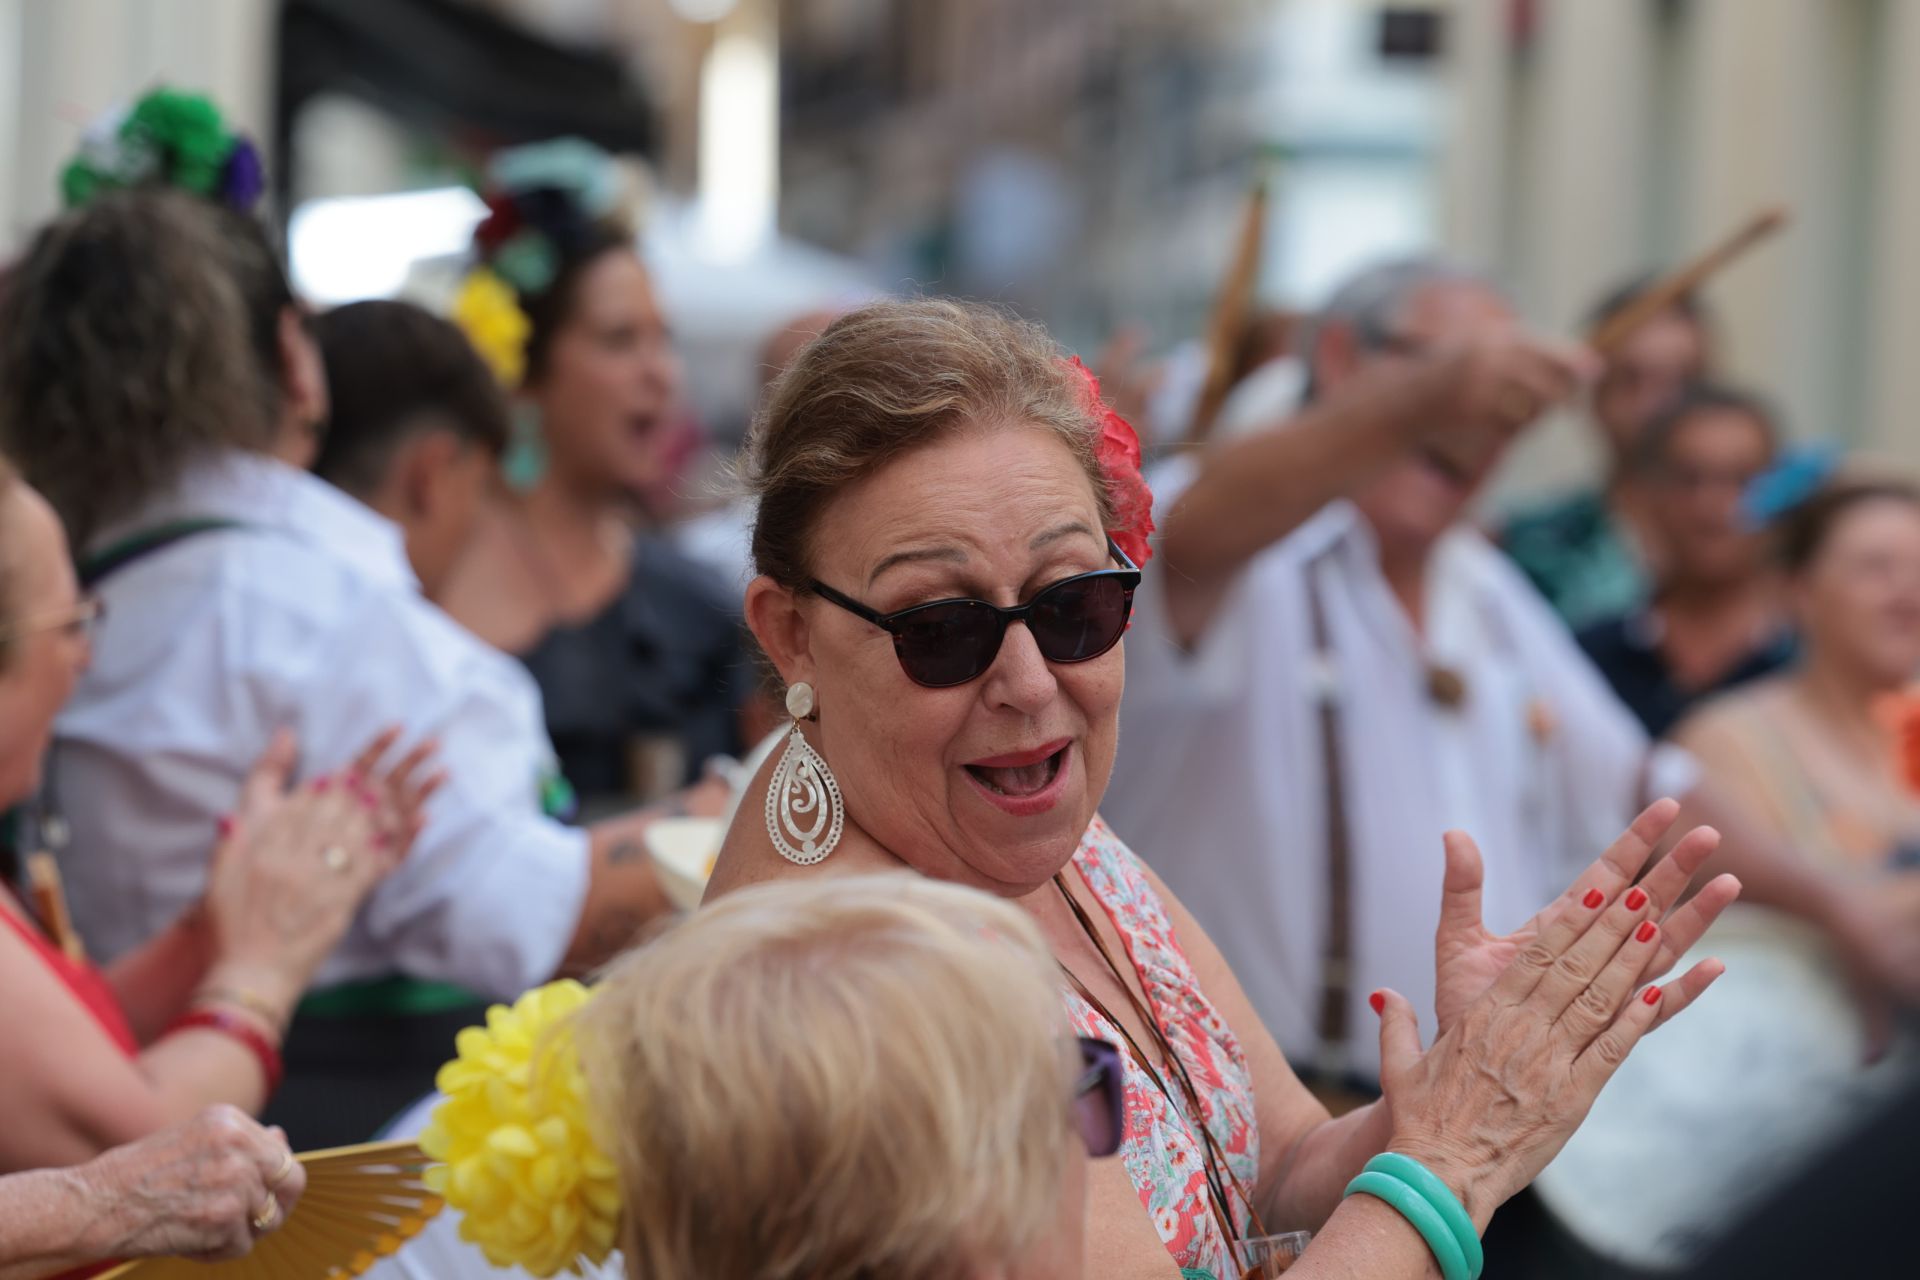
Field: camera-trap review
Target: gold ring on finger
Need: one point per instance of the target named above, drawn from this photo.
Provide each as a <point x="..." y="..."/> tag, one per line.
<point x="285" y="1169"/>
<point x="269" y="1216"/>
<point x="336" y="859"/>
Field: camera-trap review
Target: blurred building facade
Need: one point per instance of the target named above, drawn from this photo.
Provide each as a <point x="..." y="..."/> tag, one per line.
<point x="1075" y="159"/>
<point x="1086" y="159"/>
<point x="65" y="62"/>
<point x="1586" y="142"/>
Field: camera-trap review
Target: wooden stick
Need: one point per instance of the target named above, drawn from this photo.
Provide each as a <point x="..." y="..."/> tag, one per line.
<point x="1669" y="289"/>
<point x="1466" y="456"/>
<point x="1230" y="309"/>
<point x="50" y="899"/>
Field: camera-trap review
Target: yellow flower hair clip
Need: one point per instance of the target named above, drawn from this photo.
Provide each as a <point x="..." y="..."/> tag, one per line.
<point x="488" y="311"/>
<point x="515" y="1140"/>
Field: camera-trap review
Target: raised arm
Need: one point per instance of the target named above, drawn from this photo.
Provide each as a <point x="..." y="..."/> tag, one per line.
<point x="1253" y="492"/>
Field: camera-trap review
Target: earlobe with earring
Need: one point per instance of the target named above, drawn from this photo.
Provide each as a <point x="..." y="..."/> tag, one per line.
<point x="805" y="816"/>
<point x="525" y="460"/>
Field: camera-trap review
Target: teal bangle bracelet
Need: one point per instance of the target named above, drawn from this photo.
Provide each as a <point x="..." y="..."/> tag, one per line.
<point x="1441" y="1197"/>
<point x="1423" y="1217"/>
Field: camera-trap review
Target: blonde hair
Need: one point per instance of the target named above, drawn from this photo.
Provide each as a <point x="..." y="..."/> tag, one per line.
<point x="854" y="1077"/>
<point x="889" y="378"/>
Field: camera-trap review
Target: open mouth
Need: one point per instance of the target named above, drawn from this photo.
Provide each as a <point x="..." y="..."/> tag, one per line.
<point x="1022" y="775"/>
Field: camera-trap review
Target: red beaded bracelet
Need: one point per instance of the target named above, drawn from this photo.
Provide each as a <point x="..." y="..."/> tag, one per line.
<point x="237" y="1028"/>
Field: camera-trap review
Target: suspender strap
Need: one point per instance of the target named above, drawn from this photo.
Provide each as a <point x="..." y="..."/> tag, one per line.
<point x="1336" y="972"/>
<point x="144" y="542"/>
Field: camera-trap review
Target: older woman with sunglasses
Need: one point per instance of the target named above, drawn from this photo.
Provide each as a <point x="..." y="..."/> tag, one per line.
<point x="94" y="1058"/>
<point x="948" y="539"/>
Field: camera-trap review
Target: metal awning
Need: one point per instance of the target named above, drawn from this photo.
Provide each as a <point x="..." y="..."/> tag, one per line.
<point x="457" y="72"/>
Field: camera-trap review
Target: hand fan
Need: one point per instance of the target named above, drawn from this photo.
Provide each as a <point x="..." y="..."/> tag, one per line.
<point x="361" y="1204"/>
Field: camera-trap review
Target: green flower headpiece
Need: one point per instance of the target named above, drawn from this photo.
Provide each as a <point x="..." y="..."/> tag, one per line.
<point x="171" y="139"/>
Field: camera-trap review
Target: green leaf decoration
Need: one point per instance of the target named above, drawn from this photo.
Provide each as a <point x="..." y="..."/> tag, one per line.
<point x="527" y="262"/>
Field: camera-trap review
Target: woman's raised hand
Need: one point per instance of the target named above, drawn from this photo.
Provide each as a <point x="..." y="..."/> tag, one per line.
<point x="1468" y="959"/>
<point x="292" y="866"/>
<point x="1507" y="1083"/>
<point x="398" y="793"/>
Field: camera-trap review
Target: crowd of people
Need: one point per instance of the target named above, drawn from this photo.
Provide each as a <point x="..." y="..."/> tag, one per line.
<point x="1262" y="814"/>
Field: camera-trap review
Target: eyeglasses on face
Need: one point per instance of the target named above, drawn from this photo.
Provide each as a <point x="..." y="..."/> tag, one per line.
<point x="78" y="620"/>
<point x="949" y="642"/>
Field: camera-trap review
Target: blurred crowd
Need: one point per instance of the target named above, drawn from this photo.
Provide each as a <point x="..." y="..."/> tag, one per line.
<point x="353" y="665"/>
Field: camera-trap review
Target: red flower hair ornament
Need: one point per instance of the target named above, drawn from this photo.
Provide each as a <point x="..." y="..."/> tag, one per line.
<point x="1118" y="449"/>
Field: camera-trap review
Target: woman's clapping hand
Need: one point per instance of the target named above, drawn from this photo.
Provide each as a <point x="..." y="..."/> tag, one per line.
<point x="1517" y="1066"/>
<point x="294" y="864"/>
<point x="1468" y="959"/>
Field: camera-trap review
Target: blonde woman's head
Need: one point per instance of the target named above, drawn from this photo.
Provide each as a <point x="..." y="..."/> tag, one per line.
<point x="853" y="1077"/>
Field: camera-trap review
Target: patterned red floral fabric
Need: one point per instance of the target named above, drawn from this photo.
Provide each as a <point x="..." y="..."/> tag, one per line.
<point x="1162" y="1151"/>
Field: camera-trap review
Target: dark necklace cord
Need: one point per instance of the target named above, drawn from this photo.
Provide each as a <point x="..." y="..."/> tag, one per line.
<point x="1219" y="1174"/>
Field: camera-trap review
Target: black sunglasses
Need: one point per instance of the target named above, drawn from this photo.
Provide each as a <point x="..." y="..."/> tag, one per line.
<point x="949" y="642"/>
<point x="1100" y="1097"/>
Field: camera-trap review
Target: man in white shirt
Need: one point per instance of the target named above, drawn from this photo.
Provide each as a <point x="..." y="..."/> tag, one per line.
<point x="248" y="596"/>
<point x="300" y="610"/>
<point x="286" y="603"/>
<point x="1328" y="669"/>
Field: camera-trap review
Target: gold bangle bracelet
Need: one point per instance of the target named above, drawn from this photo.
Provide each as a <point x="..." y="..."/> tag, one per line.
<point x="250" y="1001"/>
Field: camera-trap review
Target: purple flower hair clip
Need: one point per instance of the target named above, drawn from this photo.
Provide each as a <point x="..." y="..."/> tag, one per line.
<point x="244" y="179"/>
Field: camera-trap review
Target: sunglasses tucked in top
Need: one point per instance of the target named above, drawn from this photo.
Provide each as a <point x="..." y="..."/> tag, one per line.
<point x="949" y="642"/>
<point x="1100" y="1097"/>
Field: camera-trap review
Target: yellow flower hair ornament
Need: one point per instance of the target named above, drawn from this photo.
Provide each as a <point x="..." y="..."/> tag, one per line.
<point x="488" y="311"/>
<point x="515" y="1140"/>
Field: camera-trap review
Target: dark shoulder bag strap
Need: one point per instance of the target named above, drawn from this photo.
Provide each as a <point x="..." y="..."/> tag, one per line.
<point x="138" y="545"/>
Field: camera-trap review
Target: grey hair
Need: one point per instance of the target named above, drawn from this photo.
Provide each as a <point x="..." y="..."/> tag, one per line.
<point x="1372" y="302"/>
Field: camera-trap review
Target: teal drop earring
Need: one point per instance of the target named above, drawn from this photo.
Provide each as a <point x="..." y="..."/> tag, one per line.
<point x="525" y="461"/>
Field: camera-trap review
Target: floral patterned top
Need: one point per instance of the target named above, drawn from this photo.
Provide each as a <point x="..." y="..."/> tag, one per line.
<point x="1162" y="1151"/>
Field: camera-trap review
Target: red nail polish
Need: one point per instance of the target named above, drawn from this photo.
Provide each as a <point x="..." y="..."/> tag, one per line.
<point x="1652" y="996"/>
<point x="226" y="826"/>
<point x="1379" y="1002"/>
<point x="1645" y="932"/>
<point x="1637" y="899"/>
<point x="322" y="782"/>
<point x="1593" y="899"/>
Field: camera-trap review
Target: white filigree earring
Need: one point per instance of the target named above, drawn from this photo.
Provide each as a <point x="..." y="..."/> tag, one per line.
<point x="804" y="814"/>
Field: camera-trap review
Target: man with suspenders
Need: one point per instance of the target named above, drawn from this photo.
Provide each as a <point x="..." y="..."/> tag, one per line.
<point x="1328" y="668"/>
